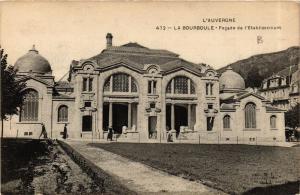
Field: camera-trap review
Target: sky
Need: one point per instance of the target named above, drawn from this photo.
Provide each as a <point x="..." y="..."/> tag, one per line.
<point x="63" y="31"/>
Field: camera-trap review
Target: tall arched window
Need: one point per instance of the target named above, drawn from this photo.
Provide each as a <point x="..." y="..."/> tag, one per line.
<point x="250" y="115"/>
<point x="226" y="122"/>
<point x="30" y="108"/>
<point x="120" y="82"/>
<point x="181" y="85"/>
<point x="62" y="114"/>
<point x="273" y="122"/>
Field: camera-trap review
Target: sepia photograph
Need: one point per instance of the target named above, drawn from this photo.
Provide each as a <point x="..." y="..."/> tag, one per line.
<point x="150" y="97"/>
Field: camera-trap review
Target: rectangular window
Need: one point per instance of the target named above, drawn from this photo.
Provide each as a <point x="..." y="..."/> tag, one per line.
<point x="149" y="87"/>
<point x="91" y="84"/>
<point x="211" y="89"/>
<point x="206" y="88"/>
<point x="87" y="104"/>
<point x="210" y="106"/>
<point x="154" y="87"/>
<point x="84" y="84"/>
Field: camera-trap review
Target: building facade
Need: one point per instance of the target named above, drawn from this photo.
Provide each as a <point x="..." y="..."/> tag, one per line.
<point x="142" y="94"/>
<point x="283" y="88"/>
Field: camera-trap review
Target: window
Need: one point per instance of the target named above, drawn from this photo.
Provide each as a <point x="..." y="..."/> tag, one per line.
<point x="84" y="84"/>
<point x="152" y="105"/>
<point x="181" y="85"/>
<point x="226" y="122"/>
<point x="107" y="85"/>
<point x="149" y="87"/>
<point x="133" y="86"/>
<point x="210" y="106"/>
<point x="209" y="88"/>
<point x="152" y="87"/>
<point x="250" y="115"/>
<point x="62" y="114"/>
<point x="90" y="84"/>
<point x="30" y="108"/>
<point x="87" y="84"/>
<point x="273" y="122"/>
<point x="87" y="104"/>
<point x="120" y="82"/>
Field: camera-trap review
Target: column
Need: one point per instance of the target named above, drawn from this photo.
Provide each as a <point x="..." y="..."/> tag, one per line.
<point x="129" y="116"/>
<point x="110" y="122"/>
<point x="172" y="117"/>
<point x="151" y="87"/>
<point x="129" y="83"/>
<point x="111" y="83"/>
<point x="189" y="86"/>
<point x="189" y="116"/>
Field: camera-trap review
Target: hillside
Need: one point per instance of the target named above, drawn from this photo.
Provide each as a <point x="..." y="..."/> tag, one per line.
<point x="266" y="64"/>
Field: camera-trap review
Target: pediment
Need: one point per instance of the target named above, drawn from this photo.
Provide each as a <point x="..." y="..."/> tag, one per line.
<point x="28" y="77"/>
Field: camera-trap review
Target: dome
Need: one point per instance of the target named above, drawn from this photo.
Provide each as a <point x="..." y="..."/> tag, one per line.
<point x="33" y="62"/>
<point x="231" y="80"/>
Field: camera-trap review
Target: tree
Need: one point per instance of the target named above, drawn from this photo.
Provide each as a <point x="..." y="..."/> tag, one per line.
<point x="292" y="119"/>
<point x="11" y="90"/>
<point x="254" y="79"/>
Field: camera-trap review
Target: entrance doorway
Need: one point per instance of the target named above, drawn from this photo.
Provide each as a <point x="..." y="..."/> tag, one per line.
<point x="152" y="122"/>
<point x="120" y="117"/>
<point x="180" y="117"/>
<point x="87" y="122"/>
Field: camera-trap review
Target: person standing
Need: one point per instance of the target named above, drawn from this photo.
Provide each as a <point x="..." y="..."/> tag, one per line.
<point x="44" y="132"/>
<point x="65" y="133"/>
<point x="110" y="134"/>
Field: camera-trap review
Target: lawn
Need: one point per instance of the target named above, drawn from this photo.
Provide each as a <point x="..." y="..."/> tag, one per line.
<point x="235" y="169"/>
<point x="42" y="167"/>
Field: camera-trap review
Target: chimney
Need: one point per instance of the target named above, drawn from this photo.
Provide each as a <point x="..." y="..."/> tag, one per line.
<point x="109" y="38"/>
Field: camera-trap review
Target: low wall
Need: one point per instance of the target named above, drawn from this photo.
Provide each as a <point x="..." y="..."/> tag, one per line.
<point x="109" y="184"/>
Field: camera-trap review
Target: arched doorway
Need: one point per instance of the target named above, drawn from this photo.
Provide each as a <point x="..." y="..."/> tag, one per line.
<point x="180" y="104"/>
<point x="120" y="93"/>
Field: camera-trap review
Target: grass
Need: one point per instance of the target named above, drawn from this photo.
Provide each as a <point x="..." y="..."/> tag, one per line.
<point x="41" y="166"/>
<point x="235" y="169"/>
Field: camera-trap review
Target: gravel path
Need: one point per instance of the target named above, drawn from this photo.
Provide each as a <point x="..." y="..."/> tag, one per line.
<point x="137" y="176"/>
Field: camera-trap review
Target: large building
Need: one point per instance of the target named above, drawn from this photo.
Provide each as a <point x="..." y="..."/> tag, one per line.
<point x="142" y="94"/>
<point x="283" y="88"/>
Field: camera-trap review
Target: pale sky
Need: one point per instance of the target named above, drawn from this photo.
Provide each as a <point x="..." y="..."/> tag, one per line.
<point x="76" y="30"/>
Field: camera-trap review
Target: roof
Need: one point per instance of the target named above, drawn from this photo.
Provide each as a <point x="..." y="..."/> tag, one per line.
<point x="33" y="62"/>
<point x="288" y="71"/>
<point x="242" y="95"/>
<point x="31" y="76"/>
<point x="137" y="56"/>
<point x="63" y="84"/>
<point x="271" y="108"/>
<point x="231" y="80"/>
<point x="225" y="106"/>
<point x="61" y="96"/>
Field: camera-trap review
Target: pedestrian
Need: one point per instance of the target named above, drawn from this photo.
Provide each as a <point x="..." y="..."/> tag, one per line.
<point x="110" y="134"/>
<point x="43" y="132"/>
<point x="65" y="133"/>
<point x="169" y="136"/>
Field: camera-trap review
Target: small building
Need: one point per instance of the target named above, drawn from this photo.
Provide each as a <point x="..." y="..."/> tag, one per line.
<point x="282" y="88"/>
<point x="142" y="94"/>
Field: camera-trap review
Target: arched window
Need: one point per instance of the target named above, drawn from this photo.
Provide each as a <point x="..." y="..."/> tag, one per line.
<point x="120" y="83"/>
<point x="62" y="114"/>
<point x="30" y="108"/>
<point x="226" y="122"/>
<point x="250" y="115"/>
<point x="273" y="122"/>
<point x="181" y="85"/>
